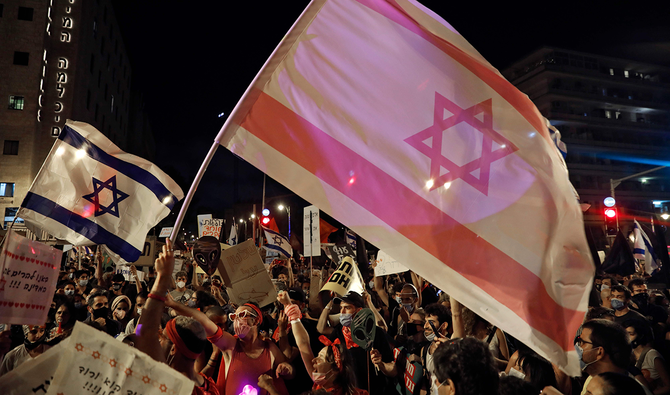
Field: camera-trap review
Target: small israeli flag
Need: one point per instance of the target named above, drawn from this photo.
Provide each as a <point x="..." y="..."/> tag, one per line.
<point x="277" y="242"/>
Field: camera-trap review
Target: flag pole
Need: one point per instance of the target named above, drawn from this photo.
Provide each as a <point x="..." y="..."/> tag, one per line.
<point x="191" y="192"/>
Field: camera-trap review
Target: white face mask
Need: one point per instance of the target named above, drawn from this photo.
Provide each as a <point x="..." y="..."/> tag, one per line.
<point x="319" y="378"/>
<point x="515" y="373"/>
<point x="181" y="284"/>
<point x="139" y="311"/>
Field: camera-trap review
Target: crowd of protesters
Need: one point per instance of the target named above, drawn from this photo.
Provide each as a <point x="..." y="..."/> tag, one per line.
<point x="422" y="341"/>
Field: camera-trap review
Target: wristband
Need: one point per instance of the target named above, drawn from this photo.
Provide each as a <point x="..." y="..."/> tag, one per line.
<point x="157" y="297"/>
<point x="293" y="312"/>
<point x="294" y="322"/>
<point x="216" y="336"/>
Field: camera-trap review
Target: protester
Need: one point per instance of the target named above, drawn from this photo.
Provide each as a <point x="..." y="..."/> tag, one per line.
<point x="181" y="294"/>
<point x="33" y="346"/>
<point x="100" y="319"/>
<point x="64" y="323"/>
<point x="610" y="383"/>
<point x="647" y="359"/>
<point x="620" y="303"/>
<point x="140" y="301"/>
<point x="121" y="310"/>
<point x="464" y="367"/>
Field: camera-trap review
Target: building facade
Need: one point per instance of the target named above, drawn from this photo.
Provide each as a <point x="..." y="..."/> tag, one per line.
<point x="61" y="59"/>
<point x="614" y="116"/>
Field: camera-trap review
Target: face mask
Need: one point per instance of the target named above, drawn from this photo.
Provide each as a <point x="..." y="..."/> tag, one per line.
<point x="319" y="378"/>
<point x="397" y="299"/>
<point x="116" y="287"/>
<point x="241" y="329"/>
<point x="69" y="292"/>
<point x="71" y="275"/>
<point x="102" y="312"/>
<point x="515" y="373"/>
<point x="191" y="303"/>
<point x="604" y="286"/>
<point x="372" y="284"/>
<point x="181" y="284"/>
<point x="78" y="305"/>
<point x="33" y="345"/>
<point x="434" y="388"/>
<point x="618" y="304"/>
<point x="580" y="353"/>
<point x="346" y="319"/>
<point x="430" y="337"/>
<point x="641" y="300"/>
<point x="83" y="283"/>
<point x="139" y="311"/>
<point x="409" y="307"/>
<point x="120" y="314"/>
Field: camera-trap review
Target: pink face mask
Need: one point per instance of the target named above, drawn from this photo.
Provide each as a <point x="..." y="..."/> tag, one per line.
<point x="241" y="329"/>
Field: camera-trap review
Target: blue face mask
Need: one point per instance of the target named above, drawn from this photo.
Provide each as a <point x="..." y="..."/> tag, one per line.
<point x="580" y="353"/>
<point x="346" y="319"/>
<point x="618" y="304"/>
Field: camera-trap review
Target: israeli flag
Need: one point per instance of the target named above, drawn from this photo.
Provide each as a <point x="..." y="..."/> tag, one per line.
<point x="642" y="249"/>
<point x="90" y="192"/>
<point x="277" y="242"/>
<point x="351" y="238"/>
<point x="232" y="237"/>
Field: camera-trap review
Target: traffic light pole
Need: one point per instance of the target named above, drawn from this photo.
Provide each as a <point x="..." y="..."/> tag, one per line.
<point x="616" y="182"/>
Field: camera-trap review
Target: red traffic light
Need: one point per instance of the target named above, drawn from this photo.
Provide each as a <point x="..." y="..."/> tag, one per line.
<point x="610" y="213"/>
<point x="265" y="220"/>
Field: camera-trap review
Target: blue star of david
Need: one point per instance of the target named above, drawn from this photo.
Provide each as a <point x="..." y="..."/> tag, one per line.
<point x="117" y="197"/>
<point x="278" y="240"/>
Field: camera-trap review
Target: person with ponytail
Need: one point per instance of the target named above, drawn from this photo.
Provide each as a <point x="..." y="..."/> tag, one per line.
<point x="331" y="370"/>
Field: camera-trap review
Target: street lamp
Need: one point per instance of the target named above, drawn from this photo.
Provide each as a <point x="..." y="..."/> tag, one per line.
<point x="616" y="182"/>
<point x="288" y="211"/>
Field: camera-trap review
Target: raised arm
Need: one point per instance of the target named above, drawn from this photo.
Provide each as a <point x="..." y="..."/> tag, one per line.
<point x="322" y="325"/>
<point x="418" y="283"/>
<point x="378" y="317"/>
<point x="300" y="334"/>
<point x="379" y="287"/>
<point x="456" y="319"/>
<point x="223" y="340"/>
<point x="150" y="320"/>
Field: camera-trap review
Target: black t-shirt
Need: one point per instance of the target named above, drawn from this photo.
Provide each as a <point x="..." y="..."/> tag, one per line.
<point x="631" y="315"/>
<point x="302" y="382"/>
<point x="379" y="383"/>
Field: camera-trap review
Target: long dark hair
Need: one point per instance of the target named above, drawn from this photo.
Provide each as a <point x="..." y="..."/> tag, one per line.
<point x="345" y="379"/>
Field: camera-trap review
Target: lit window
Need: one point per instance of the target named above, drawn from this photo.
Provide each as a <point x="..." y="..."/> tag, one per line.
<point x="611" y="71"/>
<point x="16" y="102"/>
<point x="21" y="58"/>
<point x="625" y="73"/>
<point x="11" y="147"/>
<point x="608" y="114"/>
<point x="25" y="14"/>
<point x="6" y="189"/>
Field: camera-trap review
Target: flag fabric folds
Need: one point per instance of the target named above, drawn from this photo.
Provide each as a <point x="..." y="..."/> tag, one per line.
<point x="351" y="238"/>
<point x="643" y="249"/>
<point x="277" y="242"/>
<point x="409" y="137"/>
<point x="89" y="192"/>
<point x="232" y="237"/>
<point x="325" y="229"/>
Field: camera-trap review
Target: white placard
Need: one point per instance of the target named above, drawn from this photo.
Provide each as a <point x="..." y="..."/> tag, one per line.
<point x="387" y="265"/>
<point x="211" y="227"/>
<point x="34" y="376"/>
<point x="28" y="276"/>
<point x="201" y="222"/>
<point x="166" y="232"/>
<point x="127" y="274"/>
<point x="311" y="231"/>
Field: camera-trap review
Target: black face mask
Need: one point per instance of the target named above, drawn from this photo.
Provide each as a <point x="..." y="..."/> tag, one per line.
<point x="116" y="287"/>
<point x="102" y="312"/>
<point x="33" y="345"/>
<point x="641" y="300"/>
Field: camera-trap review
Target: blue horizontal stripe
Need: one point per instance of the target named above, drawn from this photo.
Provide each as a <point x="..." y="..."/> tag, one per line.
<point x="138" y="174"/>
<point x="638" y="251"/>
<point x="81" y="225"/>
<point x="278" y="249"/>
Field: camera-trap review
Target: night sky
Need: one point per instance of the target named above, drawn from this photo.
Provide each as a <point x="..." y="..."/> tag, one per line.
<point x="194" y="60"/>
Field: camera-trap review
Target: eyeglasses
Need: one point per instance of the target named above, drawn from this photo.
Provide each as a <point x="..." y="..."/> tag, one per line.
<point x="242" y="315"/>
<point x="579" y="341"/>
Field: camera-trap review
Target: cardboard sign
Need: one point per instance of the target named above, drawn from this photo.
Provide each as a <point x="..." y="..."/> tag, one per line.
<point x="245" y="276"/>
<point x="166" y="232"/>
<point x="340" y="251"/>
<point x="387" y="265"/>
<point x="97" y="363"/>
<point x="127" y="274"/>
<point x="346" y="278"/>
<point x="29" y="273"/>
<point x="35" y="375"/>
<point x="411" y="373"/>
<point x="310" y="231"/>
<point x="201" y="221"/>
<point x="150" y="252"/>
<point x="212" y="227"/>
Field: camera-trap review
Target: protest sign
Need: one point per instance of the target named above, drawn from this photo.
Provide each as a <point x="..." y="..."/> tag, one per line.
<point x="178" y="264"/>
<point x="346" y="278"/>
<point x="96" y="362"/>
<point x="128" y="275"/>
<point x="166" y="232"/>
<point x="28" y="280"/>
<point x="245" y="276"/>
<point x="314" y="288"/>
<point x="149" y="252"/>
<point x="212" y="227"/>
<point x="310" y="231"/>
<point x="340" y="251"/>
<point x="34" y="376"/>
<point x="387" y="265"/>
<point x="201" y="222"/>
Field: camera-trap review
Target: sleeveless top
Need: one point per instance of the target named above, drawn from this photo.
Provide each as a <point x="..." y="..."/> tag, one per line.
<point x="243" y="370"/>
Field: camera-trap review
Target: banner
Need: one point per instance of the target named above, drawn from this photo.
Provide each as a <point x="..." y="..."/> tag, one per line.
<point x="127" y="274"/>
<point x="95" y="362"/>
<point x="310" y="231"/>
<point x="29" y="273"/>
<point x="338" y="252"/>
<point x="410" y="138"/>
<point x="201" y="222"/>
<point x="345" y="279"/>
<point x="387" y="265"/>
<point x="34" y="376"/>
<point x="245" y="276"/>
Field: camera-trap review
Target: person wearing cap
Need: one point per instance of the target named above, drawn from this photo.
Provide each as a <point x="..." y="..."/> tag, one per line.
<point x="182" y="340"/>
<point x="381" y="354"/>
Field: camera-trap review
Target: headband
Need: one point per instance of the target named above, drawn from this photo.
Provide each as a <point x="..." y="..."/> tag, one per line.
<point x="258" y="312"/>
<point x="333" y="346"/>
<point x="171" y="329"/>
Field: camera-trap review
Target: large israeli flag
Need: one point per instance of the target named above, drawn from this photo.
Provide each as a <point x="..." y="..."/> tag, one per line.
<point x="89" y="192"/>
<point x="277" y="242"/>
<point x="642" y="249"/>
